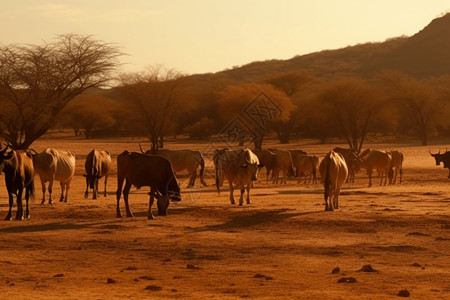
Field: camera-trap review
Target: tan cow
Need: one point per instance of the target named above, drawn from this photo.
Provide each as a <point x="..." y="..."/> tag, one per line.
<point x="97" y="165"/>
<point x="396" y="167"/>
<point x="376" y="160"/>
<point x="183" y="160"/>
<point x="283" y="164"/>
<point x="333" y="171"/>
<point x="240" y="167"/>
<point x="306" y="165"/>
<point x="51" y="165"/>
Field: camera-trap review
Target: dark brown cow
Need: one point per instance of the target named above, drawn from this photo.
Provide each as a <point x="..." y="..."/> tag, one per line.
<point x="306" y="165"/>
<point x="333" y="171"/>
<point x="146" y="170"/>
<point x="19" y="174"/>
<point x="267" y="159"/>
<point x="444" y="158"/>
<point x="97" y="165"/>
<point x="351" y="159"/>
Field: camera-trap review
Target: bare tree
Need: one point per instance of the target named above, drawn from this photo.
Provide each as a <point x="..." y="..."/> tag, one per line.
<point x="352" y="105"/>
<point x="156" y="100"/>
<point x="38" y="81"/>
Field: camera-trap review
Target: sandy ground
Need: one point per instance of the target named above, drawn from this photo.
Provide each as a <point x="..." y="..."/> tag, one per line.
<point x="284" y="245"/>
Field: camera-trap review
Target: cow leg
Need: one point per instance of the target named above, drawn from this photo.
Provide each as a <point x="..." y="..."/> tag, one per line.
<point x="105" y="194"/>
<point x="150" y="203"/>
<point x="126" y="192"/>
<point x="11" y="202"/>
<point x="43" y="191"/>
<point x="50" y="191"/>
<point x="67" y="184"/>
<point x="192" y="179"/>
<point x="448" y="172"/>
<point x="19" y="214"/>
<point x="248" y="194"/>
<point x="231" y="192"/>
<point x="27" y="198"/>
<point x="370" y="177"/>
<point x="118" y="194"/>
<point x="401" y="173"/>
<point x="63" y="188"/>
<point x="95" y="192"/>
<point x="86" y="193"/>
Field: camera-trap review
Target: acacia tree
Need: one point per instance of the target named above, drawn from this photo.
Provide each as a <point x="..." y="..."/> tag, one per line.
<point x="233" y="100"/>
<point x="352" y="105"/>
<point x="290" y="83"/>
<point x="155" y="98"/>
<point x="38" y="81"/>
<point x="88" y="112"/>
<point x="418" y="103"/>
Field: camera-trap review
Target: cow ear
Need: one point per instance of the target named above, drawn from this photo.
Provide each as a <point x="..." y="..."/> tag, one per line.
<point x="84" y="175"/>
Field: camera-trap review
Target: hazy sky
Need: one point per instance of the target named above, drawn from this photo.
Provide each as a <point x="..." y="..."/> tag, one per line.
<point x="199" y="36"/>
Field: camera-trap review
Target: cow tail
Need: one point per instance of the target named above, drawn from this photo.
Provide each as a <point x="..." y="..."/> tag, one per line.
<point x="202" y="170"/>
<point x="216" y="164"/>
<point x="94" y="171"/>
<point x="326" y="182"/>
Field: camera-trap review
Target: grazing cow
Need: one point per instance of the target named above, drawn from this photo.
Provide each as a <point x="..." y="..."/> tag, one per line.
<point x="378" y="160"/>
<point x="146" y="170"/>
<point x="19" y="174"/>
<point x="351" y="159"/>
<point x="183" y="160"/>
<point x="240" y="167"/>
<point x="306" y="165"/>
<point x="396" y="167"/>
<point x="97" y="165"/>
<point x="51" y="165"/>
<point x="333" y="171"/>
<point x="283" y="163"/>
<point x="444" y="157"/>
<point x="266" y="158"/>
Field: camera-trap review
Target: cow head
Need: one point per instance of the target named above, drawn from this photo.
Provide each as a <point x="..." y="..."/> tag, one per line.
<point x="252" y="165"/>
<point x="92" y="179"/>
<point x="4" y="156"/>
<point x="437" y="157"/>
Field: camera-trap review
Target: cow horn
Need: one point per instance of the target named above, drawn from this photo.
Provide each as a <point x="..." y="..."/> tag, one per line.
<point x="34" y="151"/>
<point x="430" y="152"/>
<point x="140" y="147"/>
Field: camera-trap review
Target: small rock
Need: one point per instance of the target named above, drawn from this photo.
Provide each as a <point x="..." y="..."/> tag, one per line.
<point x="403" y="293"/>
<point x="110" y="280"/>
<point x="347" y="280"/>
<point x="336" y="270"/>
<point x="259" y="276"/>
<point x="192" y="267"/>
<point x="154" y="288"/>
<point x="269" y="278"/>
<point x="368" y="268"/>
<point x="58" y="275"/>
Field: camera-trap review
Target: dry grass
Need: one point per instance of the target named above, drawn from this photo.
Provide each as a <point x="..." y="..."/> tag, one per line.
<point x="283" y="246"/>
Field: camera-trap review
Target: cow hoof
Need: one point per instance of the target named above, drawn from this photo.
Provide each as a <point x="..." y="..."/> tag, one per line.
<point x="151" y="217"/>
<point x="86" y="195"/>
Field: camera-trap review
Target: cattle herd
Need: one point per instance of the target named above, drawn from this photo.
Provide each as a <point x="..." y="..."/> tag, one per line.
<point x="157" y="170"/>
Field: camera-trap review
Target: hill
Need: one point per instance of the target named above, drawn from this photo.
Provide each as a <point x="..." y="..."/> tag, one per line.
<point x="425" y="54"/>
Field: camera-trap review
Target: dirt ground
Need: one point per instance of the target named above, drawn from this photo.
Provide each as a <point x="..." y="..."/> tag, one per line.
<point x="284" y="245"/>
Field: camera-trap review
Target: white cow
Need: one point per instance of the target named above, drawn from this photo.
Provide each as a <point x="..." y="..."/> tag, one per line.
<point x="51" y="165"/>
